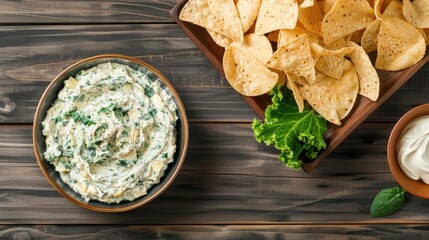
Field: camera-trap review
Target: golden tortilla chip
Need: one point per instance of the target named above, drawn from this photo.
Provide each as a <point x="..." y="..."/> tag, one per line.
<point x="282" y="76"/>
<point x="327" y="6"/>
<point x="426" y="30"/>
<point x="334" y="98"/>
<point x="258" y="46"/>
<point x="343" y="92"/>
<point x="226" y="17"/>
<point x="287" y="35"/>
<point x="276" y="14"/>
<point x="248" y="12"/>
<point x="330" y="61"/>
<point x="417" y="13"/>
<point x="378" y="7"/>
<point x="356" y="36"/>
<point x="219" y="38"/>
<point x="400" y="45"/>
<point x="273" y="36"/>
<point x="369" y="82"/>
<point x="424" y="34"/>
<point x="198" y="13"/>
<point x="369" y="39"/>
<point x="345" y="18"/>
<point x="246" y="74"/>
<point x="320" y="76"/>
<point x="318" y="99"/>
<point x="394" y="9"/>
<point x="311" y="18"/>
<point x="305" y="3"/>
<point x="294" y="57"/>
<point x="295" y="90"/>
<point x="338" y="49"/>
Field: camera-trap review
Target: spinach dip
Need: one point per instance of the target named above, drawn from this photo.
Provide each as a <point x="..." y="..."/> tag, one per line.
<point x="111" y="133"/>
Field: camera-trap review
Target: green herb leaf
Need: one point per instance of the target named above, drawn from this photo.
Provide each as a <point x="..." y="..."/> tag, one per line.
<point x="119" y="112"/>
<point x="290" y="131"/>
<point x="123" y="163"/>
<point x="148" y="91"/>
<point x="87" y="121"/>
<point x="387" y="202"/>
<point x="107" y="109"/>
<point x="58" y="119"/>
<point x="76" y="116"/>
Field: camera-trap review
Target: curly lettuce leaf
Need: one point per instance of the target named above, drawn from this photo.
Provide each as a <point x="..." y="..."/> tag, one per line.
<point x="292" y="132"/>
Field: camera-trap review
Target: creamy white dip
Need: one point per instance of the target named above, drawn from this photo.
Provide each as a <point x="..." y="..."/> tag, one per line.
<point x="111" y="133"/>
<point x="413" y="149"/>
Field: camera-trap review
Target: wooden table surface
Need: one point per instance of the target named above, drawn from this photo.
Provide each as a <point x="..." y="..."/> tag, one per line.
<point x="230" y="187"/>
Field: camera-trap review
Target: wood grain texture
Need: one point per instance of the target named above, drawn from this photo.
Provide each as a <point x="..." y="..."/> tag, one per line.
<point x="227" y="178"/>
<point x="79" y="11"/>
<point x="32" y="56"/>
<point x="230" y="232"/>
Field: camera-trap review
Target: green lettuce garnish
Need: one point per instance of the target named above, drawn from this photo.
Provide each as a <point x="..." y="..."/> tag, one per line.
<point x="290" y="131"/>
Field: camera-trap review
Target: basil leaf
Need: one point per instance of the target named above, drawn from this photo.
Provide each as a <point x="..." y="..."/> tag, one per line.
<point x="387" y="202"/>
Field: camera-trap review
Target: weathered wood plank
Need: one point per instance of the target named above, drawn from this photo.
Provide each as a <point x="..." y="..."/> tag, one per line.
<point x="78" y="11"/>
<point x="33" y="55"/>
<point x="227" y="178"/>
<point x="24" y="74"/>
<point x="231" y="232"/>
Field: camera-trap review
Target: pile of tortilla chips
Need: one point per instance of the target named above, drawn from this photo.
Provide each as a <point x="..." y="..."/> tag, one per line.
<point x="320" y="47"/>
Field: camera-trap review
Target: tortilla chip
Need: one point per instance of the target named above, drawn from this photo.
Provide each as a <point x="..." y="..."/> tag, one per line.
<point x="378" y="7"/>
<point x="345" y="18"/>
<point x="246" y="74"/>
<point x="305" y="3"/>
<point x="400" y="45"/>
<point x="257" y="46"/>
<point x="318" y="51"/>
<point x="317" y="98"/>
<point x="276" y="14"/>
<point x="369" y="39"/>
<point x="343" y="92"/>
<point x="220" y="39"/>
<point x="330" y="60"/>
<point x="282" y="76"/>
<point x="334" y="98"/>
<point x="424" y="34"/>
<point x="295" y="90"/>
<point x="327" y="6"/>
<point x="273" y="36"/>
<point x="356" y="36"/>
<point x="198" y="13"/>
<point x="226" y="17"/>
<point x="417" y="13"/>
<point x="369" y="82"/>
<point x="394" y="9"/>
<point x="311" y="18"/>
<point x="294" y="57"/>
<point x="320" y="76"/>
<point x="287" y="35"/>
<point x="248" y="12"/>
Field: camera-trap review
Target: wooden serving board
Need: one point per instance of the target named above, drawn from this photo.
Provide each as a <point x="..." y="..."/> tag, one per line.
<point x="390" y="82"/>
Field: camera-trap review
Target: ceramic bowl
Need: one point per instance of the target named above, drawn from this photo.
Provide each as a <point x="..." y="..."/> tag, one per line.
<point x="415" y="187"/>
<point x="49" y="97"/>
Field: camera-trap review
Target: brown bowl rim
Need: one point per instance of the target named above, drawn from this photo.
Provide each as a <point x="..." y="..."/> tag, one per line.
<point x="410" y="185"/>
<point x="180" y="158"/>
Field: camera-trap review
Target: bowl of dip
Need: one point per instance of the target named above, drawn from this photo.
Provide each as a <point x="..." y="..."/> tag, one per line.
<point x="408" y="151"/>
<point x="110" y="133"/>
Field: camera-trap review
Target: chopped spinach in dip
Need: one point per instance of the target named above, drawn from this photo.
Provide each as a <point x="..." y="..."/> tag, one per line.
<point x="111" y="133"/>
